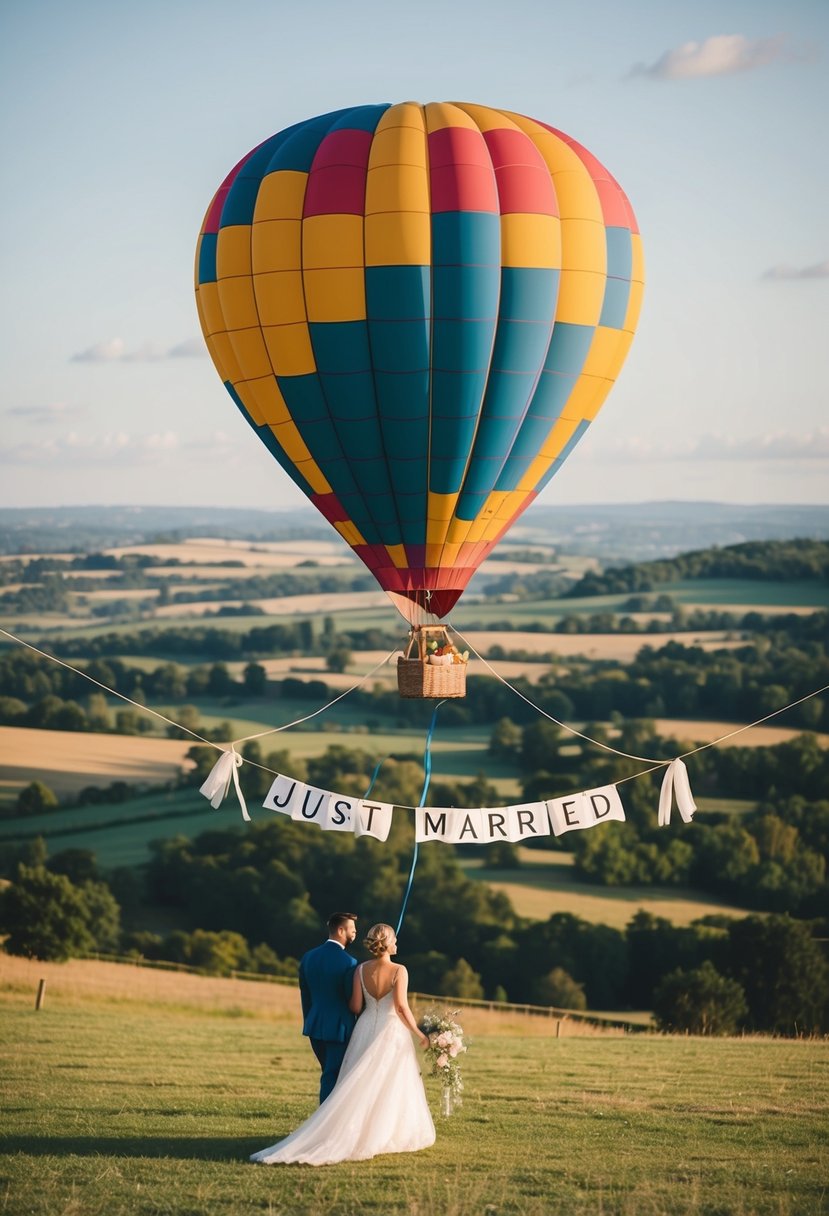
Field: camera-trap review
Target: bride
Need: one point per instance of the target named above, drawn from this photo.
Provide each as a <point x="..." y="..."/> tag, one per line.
<point x="378" y="1104"/>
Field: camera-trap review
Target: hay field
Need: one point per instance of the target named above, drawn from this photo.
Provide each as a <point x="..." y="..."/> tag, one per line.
<point x="290" y="605"/>
<point x="271" y="555"/>
<point x="623" y="647"/>
<point x="546" y="884"/>
<point x="705" y="732"/>
<point x="69" y="760"/>
<point x="79" y="982"/>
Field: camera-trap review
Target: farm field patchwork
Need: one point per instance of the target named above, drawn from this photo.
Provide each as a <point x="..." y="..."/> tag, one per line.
<point x="125" y="1103"/>
<point x="69" y="760"/>
<point x="545" y="884"/>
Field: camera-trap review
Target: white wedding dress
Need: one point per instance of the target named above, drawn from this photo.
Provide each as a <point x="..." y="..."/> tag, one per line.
<point x="378" y="1104"/>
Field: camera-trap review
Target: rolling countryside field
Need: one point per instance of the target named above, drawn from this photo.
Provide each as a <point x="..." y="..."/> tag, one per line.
<point x="120" y="832"/>
<point x="134" y="1092"/>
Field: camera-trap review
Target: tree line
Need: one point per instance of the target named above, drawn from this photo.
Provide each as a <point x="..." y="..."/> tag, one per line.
<point x="258" y="899"/>
<point x="769" y="561"/>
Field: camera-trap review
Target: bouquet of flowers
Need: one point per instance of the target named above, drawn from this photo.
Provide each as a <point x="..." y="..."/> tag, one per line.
<point x="445" y="1046"/>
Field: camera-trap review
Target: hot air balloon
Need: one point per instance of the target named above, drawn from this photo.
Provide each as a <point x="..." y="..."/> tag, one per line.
<point x="419" y="309"/>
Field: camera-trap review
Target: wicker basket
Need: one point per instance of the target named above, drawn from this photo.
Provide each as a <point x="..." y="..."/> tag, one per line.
<point x="417" y="677"/>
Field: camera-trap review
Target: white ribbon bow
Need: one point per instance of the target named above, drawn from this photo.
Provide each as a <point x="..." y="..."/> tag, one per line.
<point x="217" y="785"/>
<point x="675" y="782"/>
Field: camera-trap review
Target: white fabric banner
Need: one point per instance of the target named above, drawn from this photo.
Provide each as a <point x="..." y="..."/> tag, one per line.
<point x="453" y="825"/>
<point x="579" y="811"/>
<point x="373" y="819"/>
<point x="483" y="825"/>
<point x="280" y="795"/>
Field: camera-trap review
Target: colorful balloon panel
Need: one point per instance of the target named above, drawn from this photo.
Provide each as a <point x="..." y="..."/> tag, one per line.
<point x="419" y="310"/>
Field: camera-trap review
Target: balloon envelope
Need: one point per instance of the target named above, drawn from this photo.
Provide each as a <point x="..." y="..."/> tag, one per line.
<point x="419" y="309"/>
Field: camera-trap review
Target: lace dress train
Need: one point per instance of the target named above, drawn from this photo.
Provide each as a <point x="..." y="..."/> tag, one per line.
<point x="378" y="1104"/>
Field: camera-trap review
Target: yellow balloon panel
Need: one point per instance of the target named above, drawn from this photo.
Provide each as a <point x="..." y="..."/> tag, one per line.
<point x="580" y="297"/>
<point x="280" y="298"/>
<point x="332" y="241"/>
<point x="276" y="245"/>
<point x="251" y="352"/>
<point x="335" y="295"/>
<point x="531" y="240"/>
<point x="401" y="238"/>
<point x="397" y="188"/>
<point x="210" y="309"/>
<point x="289" y="347"/>
<point x="270" y="403"/>
<point x="281" y="196"/>
<point x="233" y="251"/>
<point x="238" y="303"/>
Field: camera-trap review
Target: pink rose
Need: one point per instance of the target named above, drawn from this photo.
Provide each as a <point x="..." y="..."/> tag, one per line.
<point x="442" y="1060"/>
<point x="453" y="1050"/>
<point x="444" y="1039"/>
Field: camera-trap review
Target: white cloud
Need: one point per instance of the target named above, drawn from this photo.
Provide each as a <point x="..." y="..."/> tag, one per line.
<point x="101" y="352"/>
<point x="719" y="55"/>
<point x="819" y="271"/>
<point x="52" y="412"/>
<point x="115" y="351"/>
<point x="110" y="448"/>
<point x="779" y="445"/>
<point x="123" y="450"/>
<point x="190" y="348"/>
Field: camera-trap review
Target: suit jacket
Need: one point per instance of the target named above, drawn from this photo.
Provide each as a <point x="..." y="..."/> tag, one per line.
<point x="326" y="975"/>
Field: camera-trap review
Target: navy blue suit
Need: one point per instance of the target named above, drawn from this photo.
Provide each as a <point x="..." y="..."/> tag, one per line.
<point x="326" y="975"/>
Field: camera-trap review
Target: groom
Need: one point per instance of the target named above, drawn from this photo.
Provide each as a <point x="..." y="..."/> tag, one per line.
<point x="326" y="975"/>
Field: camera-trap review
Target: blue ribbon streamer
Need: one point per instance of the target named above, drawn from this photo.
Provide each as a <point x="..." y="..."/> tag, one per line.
<point x="427" y="777"/>
<point x="374" y="775"/>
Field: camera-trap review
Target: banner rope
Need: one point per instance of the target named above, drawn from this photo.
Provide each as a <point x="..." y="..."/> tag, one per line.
<point x="570" y="729"/>
<point x="652" y="761"/>
<point x="194" y="734"/>
<point x="230" y="752"/>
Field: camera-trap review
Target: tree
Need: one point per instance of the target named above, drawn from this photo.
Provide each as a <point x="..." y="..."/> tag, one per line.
<point x="255" y="680"/>
<point x="36" y="797"/>
<point x="98" y="712"/>
<point x="461" y="981"/>
<point x="539" y="746"/>
<point x="79" y="865"/>
<point x="699" y="1002"/>
<point x="558" y="988"/>
<point x="45" y="916"/>
<point x="783" y="972"/>
<point x="505" y="740"/>
<point x="219" y="681"/>
<point x="218" y="953"/>
<point x="338" y="659"/>
<point x="103" y="916"/>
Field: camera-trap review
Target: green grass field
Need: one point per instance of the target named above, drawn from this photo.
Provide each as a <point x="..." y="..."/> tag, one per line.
<point x="736" y="594"/>
<point x="143" y="1104"/>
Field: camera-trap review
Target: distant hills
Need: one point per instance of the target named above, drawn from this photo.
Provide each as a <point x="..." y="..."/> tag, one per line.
<point x="613" y="533"/>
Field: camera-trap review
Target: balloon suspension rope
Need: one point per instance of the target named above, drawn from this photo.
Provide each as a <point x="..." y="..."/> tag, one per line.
<point x="427" y="777"/>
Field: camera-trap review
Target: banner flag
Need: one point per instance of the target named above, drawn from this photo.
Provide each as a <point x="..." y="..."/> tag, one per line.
<point x="373" y="819"/>
<point x="580" y="811"/>
<point x="453" y="825"/>
<point x="482" y="825"/>
<point x="280" y="795"/>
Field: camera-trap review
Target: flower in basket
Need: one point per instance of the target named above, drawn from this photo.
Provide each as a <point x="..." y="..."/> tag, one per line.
<point x="445" y="1045"/>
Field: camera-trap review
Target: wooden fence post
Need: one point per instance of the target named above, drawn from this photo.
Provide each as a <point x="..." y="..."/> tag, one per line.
<point x="41" y="993"/>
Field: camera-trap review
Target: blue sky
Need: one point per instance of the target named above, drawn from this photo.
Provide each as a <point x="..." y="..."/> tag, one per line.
<point x="119" y="121"/>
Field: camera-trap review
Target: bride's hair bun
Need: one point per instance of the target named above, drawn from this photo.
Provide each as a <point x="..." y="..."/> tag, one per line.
<point x="378" y="939"/>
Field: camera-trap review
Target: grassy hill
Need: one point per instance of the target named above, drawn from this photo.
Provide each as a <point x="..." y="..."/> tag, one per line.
<point x="132" y="1094"/>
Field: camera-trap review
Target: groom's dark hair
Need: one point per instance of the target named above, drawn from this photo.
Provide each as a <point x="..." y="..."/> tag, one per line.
<point x="336" y="919"/>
